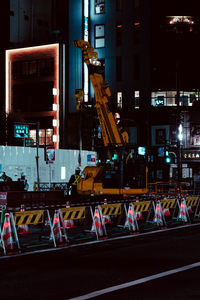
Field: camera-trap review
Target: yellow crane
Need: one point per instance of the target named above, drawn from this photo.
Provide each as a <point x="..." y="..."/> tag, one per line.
<point x="106" y="179"/>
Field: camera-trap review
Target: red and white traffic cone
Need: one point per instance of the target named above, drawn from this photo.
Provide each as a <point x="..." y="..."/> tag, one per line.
<point x="107" y="220"/>
<point x="182" y="216"/>
<point x="69" y="223"/>
<point x="158" y="220"/>
<point x="7" y="233"/>
<point x="166" y="212"/>
<point x="97" y="225"/>
<point x="57" y="231"/>
<point x="139" y="214"/>
<point x="131" y="221"/>
<point x="190" y="211"/>
<point x="23" y="229"/>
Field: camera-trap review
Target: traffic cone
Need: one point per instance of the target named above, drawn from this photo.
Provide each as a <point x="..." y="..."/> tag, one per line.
<point x="182" y="216"/>
<point x="7" y="233"/>
<point x="131" y="221"/>
<point x="190" y="210"/>
<point x="166" y="212"/>
<point x="158" y="220"/>
<point x="138" y="214"/>
<point x="107" y="220"/>
<point x="23" y="229"/>
<point x="97" y="225"/>
<point x="57" y="227"/>
<point x="69" y="224"/>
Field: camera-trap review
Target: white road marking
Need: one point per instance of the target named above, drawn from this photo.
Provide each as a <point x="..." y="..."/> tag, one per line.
<point x="100" y="241"/>
<point x="135" y="282"/>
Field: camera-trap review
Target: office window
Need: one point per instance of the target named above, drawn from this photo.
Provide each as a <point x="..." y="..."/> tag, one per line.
<point x="99" y="31"/>
<point x="136" y="67"/>
<point x="118" y="5"/>
<point x="99" y="6"/>
<point x="119" y="68"/>
<point x="118" y="34"/>
<point x="100" y="43"/>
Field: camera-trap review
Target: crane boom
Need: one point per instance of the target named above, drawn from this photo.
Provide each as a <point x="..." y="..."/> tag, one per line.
<point x="111" y="133"/>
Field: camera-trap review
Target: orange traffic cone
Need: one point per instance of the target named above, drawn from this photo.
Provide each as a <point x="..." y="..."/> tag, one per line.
<point x="57" y="227"/>
<point x="158" y="220"/>
<point x="182" y="216"/>
<point x="131" y="221"/>
<point x="97" y="225"/>
<point x="7" y="233"/>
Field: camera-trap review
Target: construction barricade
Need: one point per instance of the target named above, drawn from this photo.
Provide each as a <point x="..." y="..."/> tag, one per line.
<point x="78" y="222"/>
<point x="39" y="227"/>
<point x="156" y="215"/>
<point x="113" y="217"/>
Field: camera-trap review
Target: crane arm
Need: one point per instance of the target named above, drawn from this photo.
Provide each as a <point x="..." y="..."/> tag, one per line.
<point x="111" y="134"/>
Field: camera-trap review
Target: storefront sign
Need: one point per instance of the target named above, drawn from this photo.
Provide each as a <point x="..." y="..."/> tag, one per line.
<point x="191" y="155"/>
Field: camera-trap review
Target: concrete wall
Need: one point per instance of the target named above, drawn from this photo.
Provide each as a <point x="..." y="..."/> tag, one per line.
<point x="17" y="160"/>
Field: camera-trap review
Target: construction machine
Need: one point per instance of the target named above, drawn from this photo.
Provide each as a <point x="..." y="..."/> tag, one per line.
<point x="127" y="173"/>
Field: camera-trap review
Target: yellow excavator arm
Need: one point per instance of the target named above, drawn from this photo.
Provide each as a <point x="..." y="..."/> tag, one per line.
<point x="111" y="133"/>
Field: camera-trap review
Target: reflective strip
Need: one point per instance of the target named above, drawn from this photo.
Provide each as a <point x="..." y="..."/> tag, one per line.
<point x="29" y="217"/>
<point x="111" y="209"/>
<point x="73" y="213"/>
<point x="168" y="203"/>
<point x="142" y="206"/>
<point x="191" y="201"/>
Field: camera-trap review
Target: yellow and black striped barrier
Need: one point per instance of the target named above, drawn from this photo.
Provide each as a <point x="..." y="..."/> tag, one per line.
<point x="73" y="213"/>
<point x="168" y="203"/>
<point x="29" y="217"/>
<point x="142" y="206"/>
<point x="191" y="201"/>
<point x="111" y="209"/>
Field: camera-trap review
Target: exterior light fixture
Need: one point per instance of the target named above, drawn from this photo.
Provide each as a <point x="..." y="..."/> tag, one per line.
<point x="54" y="107"/>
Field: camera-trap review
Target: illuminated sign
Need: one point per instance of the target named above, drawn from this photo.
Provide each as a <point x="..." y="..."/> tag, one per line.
<point x="21" y="131"/>
<point x="191" y="155"/>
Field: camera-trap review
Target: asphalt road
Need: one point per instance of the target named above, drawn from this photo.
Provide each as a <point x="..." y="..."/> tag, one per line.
<point x="80" y="270"/>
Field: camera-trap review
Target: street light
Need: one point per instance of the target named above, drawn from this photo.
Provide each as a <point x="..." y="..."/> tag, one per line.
<point x="179" y="25"/>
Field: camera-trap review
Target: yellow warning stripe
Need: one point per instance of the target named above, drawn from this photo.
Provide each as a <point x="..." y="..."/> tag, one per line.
<point x="73" y="213"/>
<point x="111" y="209"/>
<point x="142" y="206"/>
<point x="29" y="217"/>
<point x="168" y="203"/>
<point x="191" y="201"/>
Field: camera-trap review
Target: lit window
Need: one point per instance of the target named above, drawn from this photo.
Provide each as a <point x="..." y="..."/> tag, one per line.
<point x="137" y="99"/>
<point x="63" y="173"/>
<point x="99" y="6"/>
<point x="119" y="99"/>
<point x="100" y="43"/>
<point x="99" y="31"/>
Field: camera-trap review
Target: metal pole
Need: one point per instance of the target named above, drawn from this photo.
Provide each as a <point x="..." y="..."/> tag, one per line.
<point x="37" y="154"/>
